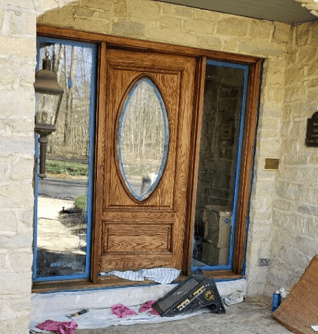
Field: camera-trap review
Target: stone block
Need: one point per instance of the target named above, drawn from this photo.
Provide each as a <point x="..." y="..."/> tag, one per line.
<point x="8" y="222"/>
<point x="312" y="83"/>
<point x="92" y="25"/>
<point x="61" y="17"/>
<point x="169" y="35"/>
<point x="301" y="226"/>
<point x="23" y="4"/>
<point x="21" y="260"/>
<point x="269" y="123"/>
<point x="22" y="23"/>
<point x="16" y="145"/>
<point x="16" y="195"/>
<point x="281" y="32"/>
<point x="16" y="325"/>
<point x="295" y="160"/>
<point x="295" y="77"/>
<point x="297" y="130"/>
<point x="17" y="74"/>
<point x="312" y="96"/>
<point x="183" y="11"/>
<point x="2" y="16"/>
<point x="170" y="21"/>
<point x="313" y="160"/>
<point x="3" y="259"/>
<point x="274" y="79"/>
<point x="206" y="15"/>
<point x="313" y="228"/>
<point x="144" y="10"/>
<point x="17" y="303"/>
<point x="275" y="66"/>
<point x="98" y="4"/>
<point x="261" y="29"/>
<point x="232" y="26"/>
<point x="24" y="47"/>
<point x="128" y="28"/>
<point x="230" y="44"/>
<point x="120" y="8"/>
<point x="287" y="113"/>
<point x="288" y="190"/>
<point x="22" y="169"/>
<point x="274" y="94"/>
<point x="293" y="94"/>
<point x="307" y="55"/>
<point x="261" y="47"/>
<point x="16" y="241"/>
<point x="15" y="283"/>
<point x="270" y="147"/>
<point x="285" y="205"/>
<point x="199" y="27"/>
<point x="208" y="42"/>
<point x="22" y="127"/>
<point x="302" y="34"/>
<point x="307" y="209"/>
<point x="5" y="162"/>
<point x="83" y="11"/>
<point x="264" y="188"/>
<point x="168" y="9"/>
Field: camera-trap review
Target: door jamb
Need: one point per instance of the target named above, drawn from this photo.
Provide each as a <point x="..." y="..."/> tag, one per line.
<point x="248" y="143"/>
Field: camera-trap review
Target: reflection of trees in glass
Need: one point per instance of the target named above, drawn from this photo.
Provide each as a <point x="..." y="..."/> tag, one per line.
<point x="143" y="132"/>
<point x="73" y="66"/>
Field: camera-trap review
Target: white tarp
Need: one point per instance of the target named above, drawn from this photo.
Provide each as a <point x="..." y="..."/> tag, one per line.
<point x="57" y="305"/>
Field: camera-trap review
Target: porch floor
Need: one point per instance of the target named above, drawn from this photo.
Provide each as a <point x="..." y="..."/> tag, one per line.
<point x="251" y="316"/>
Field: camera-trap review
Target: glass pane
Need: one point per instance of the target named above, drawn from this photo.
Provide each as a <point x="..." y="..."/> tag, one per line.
<point x="45" y="108"/>
<point x="143" y="139"/>
<point x="62" y="216"/>
<point x="217" y="165"/>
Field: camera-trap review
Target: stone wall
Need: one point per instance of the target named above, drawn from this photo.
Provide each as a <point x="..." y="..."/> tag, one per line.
<point x="155" y="21"/>
<point x="295" y="207"/>
<point x="17" y="68"/>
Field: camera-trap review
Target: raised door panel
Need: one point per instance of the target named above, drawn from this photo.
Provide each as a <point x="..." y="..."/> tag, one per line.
<point x="146" y="233"/>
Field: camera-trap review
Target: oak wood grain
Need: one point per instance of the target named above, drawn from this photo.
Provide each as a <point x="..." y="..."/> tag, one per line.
<point x="136" y="238"/>
<point x="135" y="233"/>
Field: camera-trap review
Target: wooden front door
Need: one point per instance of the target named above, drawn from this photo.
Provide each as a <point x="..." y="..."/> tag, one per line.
<point x="130" y="233"/>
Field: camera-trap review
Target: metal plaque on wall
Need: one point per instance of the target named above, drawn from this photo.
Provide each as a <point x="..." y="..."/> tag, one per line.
<point x="312" y="131"/>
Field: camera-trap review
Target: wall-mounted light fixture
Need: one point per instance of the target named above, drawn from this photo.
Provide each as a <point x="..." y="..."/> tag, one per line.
<point x="48" y="97"/>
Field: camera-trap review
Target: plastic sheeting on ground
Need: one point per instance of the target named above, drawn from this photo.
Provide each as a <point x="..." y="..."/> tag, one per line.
<point x="57" y="305"/>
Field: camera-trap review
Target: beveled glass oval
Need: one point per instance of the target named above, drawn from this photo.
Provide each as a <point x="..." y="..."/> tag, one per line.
<point x="143" y="138"/>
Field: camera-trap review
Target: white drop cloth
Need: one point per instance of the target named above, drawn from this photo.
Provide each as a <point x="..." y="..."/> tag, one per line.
<point x="158" y="275"/>
<point x="57" y="305"/>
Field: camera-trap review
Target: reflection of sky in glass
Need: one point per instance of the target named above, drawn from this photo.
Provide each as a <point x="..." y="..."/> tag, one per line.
<point x="62" y="225"/>
<point x="83" y="56"/>
<point x="73" y="65"/>
<point x="143" y="138"/>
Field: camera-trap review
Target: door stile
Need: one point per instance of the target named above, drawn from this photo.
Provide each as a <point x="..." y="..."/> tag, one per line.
<point x="194" y="164"/>
<point x="99" y="159"/>
<point x="247" y="166"/>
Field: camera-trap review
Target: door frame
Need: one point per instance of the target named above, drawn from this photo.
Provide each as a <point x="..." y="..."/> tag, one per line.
<point x="255" y="65"/>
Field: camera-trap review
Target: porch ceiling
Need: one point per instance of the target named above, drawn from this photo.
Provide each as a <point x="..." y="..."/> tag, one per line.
<point x="286" y="11"/>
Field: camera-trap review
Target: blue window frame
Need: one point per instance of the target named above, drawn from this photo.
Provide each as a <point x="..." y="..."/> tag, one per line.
<point x="245" y="69"/>
<point x="92" y="49"/>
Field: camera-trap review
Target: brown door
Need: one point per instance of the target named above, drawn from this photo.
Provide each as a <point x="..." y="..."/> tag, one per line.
<point x="131" y="233"/>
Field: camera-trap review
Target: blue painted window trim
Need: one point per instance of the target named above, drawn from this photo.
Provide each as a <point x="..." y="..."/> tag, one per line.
<point x="238" y="163"/>
<point x="166" y="143"/>
<point x="89" y="203"/>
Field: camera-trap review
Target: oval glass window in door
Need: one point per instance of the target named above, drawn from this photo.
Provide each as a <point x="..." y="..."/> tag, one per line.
<point x="143" y="137"/>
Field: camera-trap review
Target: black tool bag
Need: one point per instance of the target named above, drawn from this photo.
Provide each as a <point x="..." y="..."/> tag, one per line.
<point x="195" y="292"/>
